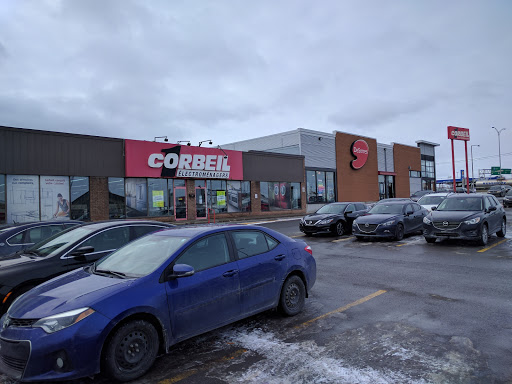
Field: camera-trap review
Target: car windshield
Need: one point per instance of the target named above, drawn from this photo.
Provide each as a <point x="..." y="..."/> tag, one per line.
<point x="384" y="208"/>
<point x="509" y="193"/>
<point x="53" y="245"/>
<point x="332" y="208"/>
<point x="461" y="204"/>
<point x="495" y="188"/>
<point x="431" y="200"/>
<point x="141" y="257"/>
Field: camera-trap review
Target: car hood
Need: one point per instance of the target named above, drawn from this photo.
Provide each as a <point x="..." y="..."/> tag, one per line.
<point x="319" y="216"/>
<point x="453" y="215"/>
<point x="76" y="289"/>
<point x="16" y="259"/>
<point x="377" y="218"/>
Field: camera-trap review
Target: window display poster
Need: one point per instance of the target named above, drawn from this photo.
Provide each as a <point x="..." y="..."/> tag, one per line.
<point x="158" y="199"/>
<point x="55" y="204"/>
<point x="22" y="198"/>
<point x="221" y="198"/>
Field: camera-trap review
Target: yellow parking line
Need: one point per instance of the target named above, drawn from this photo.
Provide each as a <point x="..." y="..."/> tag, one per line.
<point x="343" y="309"/>
<point x="337" y="241"/>
<point x="492" y="246"/>
<point x="401" y="245"/>
<point x="293" y="237"/>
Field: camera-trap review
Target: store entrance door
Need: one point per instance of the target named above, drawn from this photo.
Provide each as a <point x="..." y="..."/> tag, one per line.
<point x="201" y="203"/>
<point x="180" y="202"/>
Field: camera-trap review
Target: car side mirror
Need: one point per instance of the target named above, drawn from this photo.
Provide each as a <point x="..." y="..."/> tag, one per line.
<point x="82" y="251"/>
<point x="492" y="209"/>
<point x="408" y="213"/>
<point x="434" y="208"/>
<point x="348" y="212"/>
<point x="181" y="270"/>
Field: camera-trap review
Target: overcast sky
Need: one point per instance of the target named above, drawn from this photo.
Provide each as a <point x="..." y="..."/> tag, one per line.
<point x="397" y="71"/>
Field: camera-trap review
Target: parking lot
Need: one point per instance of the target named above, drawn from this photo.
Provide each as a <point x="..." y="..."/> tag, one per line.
<point x="380" y="312"/>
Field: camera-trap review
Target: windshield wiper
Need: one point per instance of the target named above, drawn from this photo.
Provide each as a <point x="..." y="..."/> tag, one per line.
<point x="31" y="252"/>
<point x="113" y="273"/>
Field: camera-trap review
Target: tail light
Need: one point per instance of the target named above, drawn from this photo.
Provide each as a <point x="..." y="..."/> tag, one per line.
<point x="309" y="250"/>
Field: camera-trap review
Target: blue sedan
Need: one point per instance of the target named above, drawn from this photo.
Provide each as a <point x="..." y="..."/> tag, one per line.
<point x="118" y="313"/>
<point x="392" y="220"/>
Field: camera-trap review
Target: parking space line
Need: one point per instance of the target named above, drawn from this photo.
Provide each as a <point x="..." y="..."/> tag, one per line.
<point x="294" y="237"/>
<point x="401" y="245"/>
<point x="342" y="309"/>
<point x="337" y="241"/>
<point x="494" y="245"/>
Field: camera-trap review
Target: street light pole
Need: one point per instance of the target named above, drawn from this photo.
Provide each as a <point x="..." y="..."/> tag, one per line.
<point x="499" y="144"/>
<point x="472" y="174"/>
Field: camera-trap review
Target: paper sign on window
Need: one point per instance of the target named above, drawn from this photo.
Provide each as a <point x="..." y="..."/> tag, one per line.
<point x="158" y="199"/>
<point x="221" y="198"/>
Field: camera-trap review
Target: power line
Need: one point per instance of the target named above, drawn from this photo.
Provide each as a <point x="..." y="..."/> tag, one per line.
<point x="477" y="158"/>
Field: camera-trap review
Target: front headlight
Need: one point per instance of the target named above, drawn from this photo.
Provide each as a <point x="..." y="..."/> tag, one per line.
<point x="63" y="320"/>
<point x="388" y="223"/>
<point x="476" y="220"/>
<point x="427" y="221"/>
<point x="325" y="221"/>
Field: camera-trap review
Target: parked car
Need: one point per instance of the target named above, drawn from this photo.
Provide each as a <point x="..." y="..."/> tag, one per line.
<point x="419" y="194"/>
<point x="499" y="190"/>
<point x="15" y="237"/>
<point x="467" y="217"/>
<point x="507" y="200"/>
<point x="64" y="252"/>
<point x="119" y="313"/>
<point x="392" y="219"/>
<point x="335" y="218"/>
<point x="432" y="200"/>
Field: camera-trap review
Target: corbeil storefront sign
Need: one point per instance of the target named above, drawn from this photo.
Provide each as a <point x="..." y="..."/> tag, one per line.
<point x="150" y="159"/>
<point x="360" y="151"/>
<point x="457" y="133"/>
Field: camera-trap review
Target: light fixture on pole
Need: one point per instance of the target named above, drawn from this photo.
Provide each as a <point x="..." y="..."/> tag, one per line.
<point x="161" y="137"/>
<point x="472" y="174"/>
<point x="185" y="141"/>
<point x="204" y="141"/>
<point x="499" y="144"/>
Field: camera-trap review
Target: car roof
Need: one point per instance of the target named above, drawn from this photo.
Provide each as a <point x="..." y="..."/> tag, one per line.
<point x="439" y="194"/>
<point x="466" y="195"/>
<point x="196" y="230"/>
<point x="32" y="224"/>
<point x="113" y="223"/>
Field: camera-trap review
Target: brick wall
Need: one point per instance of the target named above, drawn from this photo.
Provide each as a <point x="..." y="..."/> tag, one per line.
<point x="361" y="184"/>
<point x="98" y="192"/>
<point x="406" y="159"/>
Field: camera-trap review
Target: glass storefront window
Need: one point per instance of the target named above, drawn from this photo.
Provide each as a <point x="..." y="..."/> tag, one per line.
<point x="22" y="198"/>
<point x="80" y="198"/>
<point x="329" y="187"/>
<point x="311" y="186"/>
<point x="179" y="183"/>
<point x="246" y="196"/>
<point x="320" y="186"/>
<point x="116" y="205"/>
<point x="158" y="197"/>
<point x="264" y="198"/>
<point x="280" y="196"/>
<point x="2" y="200"/>
<point x="136" y="197"/>
<point x="201" y="206"/>
<point x="217" y="195"/>
<point x="295" y="193"/>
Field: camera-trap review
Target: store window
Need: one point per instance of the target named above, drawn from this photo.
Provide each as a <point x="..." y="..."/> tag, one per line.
<point x="329" y="187"/>
<point x="2" y="200"/>
<point x="311" y="186"/>
<point x="217" y="195"/>
<point x="239" y="196"/>
<point x="427" y="168"/>
<point x="295" y="194"/>
<point x="265" y="206"/>
<point x="116" y="198"/>
<point x="280" y="196"/>
<point x="80" y="198"/>
<point x="320" y="187"/>
<point x="158" y="195"/>
<point x="22" y="195"/>
<point x="170" y="189"/>
<point x="54" y="197"/>
<point x="136" y="197"/>
<point x="200" y="192"/>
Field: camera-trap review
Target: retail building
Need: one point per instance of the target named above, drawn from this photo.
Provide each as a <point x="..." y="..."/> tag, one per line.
<point x="99" y="178"/>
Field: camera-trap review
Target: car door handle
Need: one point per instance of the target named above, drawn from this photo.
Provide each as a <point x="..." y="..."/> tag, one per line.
<point x="231" y="273"/>
<point x="279" y="257"/>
